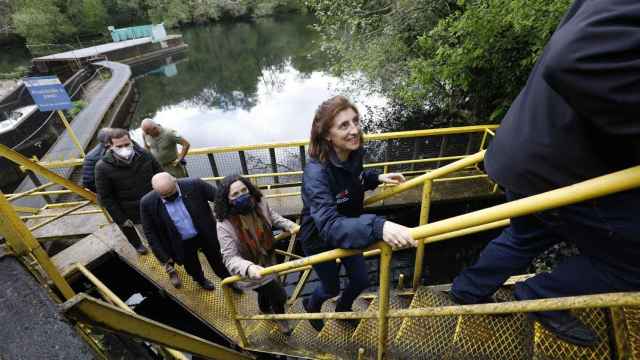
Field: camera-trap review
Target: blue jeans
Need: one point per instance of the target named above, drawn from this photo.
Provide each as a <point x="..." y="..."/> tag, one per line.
<point x="605" y="230"/>
<point x="328" y="273"/>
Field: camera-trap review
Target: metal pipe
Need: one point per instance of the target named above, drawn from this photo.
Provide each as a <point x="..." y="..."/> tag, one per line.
<point x="72" y="134"/>
<point x="231" y="306"/>
<point x="425" y="205"/>
<point x="586" y="190"/>
<point x="377" y="251"/>
<point x="87" y="212"/>
<point x="383" y="299"/>
<point x="629" y="299"/>
<point x="367" y="137"/>
<point x="115" y="299"/>
<point x="58" y="216"/>
<point x="40" y="170"/>
<point x="286" y="253"/>
<point x="400" y="282"/>
<point x="51" y="192"/>
<point x="551" y="304"/>
<point x="447" y="169"/>
<point x="299" y="286"/>
<point x="60" y="205"/>
<point x="12" y="197"/>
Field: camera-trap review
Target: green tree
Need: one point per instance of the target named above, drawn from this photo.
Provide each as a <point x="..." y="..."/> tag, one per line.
<point x="458" y="60"/>
<point x="41" y="21"/>
<point x="89" y="16"/>
<point x="476" y="60"/>
<point x="171" y="12"/>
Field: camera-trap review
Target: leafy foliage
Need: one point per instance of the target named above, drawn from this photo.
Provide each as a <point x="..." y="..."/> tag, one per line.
<point x="458" y="61"/>
<point x="46" y="21"/>
<point x="41" y="21"/>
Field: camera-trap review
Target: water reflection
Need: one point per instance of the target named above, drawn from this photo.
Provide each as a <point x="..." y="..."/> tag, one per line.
<point x="242" y="84"/>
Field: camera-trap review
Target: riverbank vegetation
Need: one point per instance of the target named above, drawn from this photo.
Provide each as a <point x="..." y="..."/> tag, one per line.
<point x="50" y="21"/>
<point x="456" y="61"/>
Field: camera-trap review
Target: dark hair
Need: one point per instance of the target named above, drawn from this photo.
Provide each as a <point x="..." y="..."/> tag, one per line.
<point x="222" y="208"/>
<point x="319" y="147"/>
<point x="104" y="135"/>
<point x="117" y="133"/>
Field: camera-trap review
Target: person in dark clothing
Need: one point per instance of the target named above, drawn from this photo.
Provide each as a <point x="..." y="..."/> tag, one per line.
<point x="92" y="158"/>
<point x="575" y="119"/>
<point x="123" y="177"/>
<point x="333" y="193"/>
<point x="177" y="221"/>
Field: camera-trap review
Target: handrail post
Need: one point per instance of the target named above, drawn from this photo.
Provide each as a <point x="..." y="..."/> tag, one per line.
<point x="228" y="299"/>
<point x="425" y="206"/>
<point x="383" y="298"/>
<point x="484" y="140"/>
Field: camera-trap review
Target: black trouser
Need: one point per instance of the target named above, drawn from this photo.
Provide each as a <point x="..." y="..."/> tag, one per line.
<point x="271" y="297"/>
<point x="605" y="230"/>
<point x="211" y="252"/>
<point x="131" y="234"/>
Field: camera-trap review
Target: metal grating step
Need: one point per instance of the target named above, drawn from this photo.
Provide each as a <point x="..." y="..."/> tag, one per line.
<point x="425" y="338"/>
<point x="548" y="347"/>
<point x="493" y="337"/>
<point x="366" y="334"/>
<point x="632" y="319"/>
<point x="337" y="335"/>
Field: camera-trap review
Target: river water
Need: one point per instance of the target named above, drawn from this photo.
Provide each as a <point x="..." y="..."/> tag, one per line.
<point x="243" y="83"/>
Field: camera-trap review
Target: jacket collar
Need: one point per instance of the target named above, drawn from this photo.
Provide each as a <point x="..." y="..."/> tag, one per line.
<point x="179" y="194"/>
<point x="353" y="162"/>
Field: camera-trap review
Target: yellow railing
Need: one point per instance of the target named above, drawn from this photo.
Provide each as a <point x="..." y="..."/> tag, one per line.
<point x="212" y="163"/>
<point x="476" y="134"/>
<point x="22" y="242"/>
<point x="472" y="222"/>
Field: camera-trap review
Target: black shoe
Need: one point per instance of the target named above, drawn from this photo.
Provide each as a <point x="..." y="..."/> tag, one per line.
<point x="569" y="329"/>
<point x="142" y="250"/>
<point x="206" y="284"/>
<point x="317" y="324"/>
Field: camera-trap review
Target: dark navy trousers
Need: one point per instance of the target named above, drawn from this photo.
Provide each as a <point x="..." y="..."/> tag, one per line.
<point x="328" y="273"/>
<point x="605" y="230"/>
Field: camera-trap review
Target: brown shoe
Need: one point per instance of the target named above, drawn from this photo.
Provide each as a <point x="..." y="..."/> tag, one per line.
<point x="173" y="276"/>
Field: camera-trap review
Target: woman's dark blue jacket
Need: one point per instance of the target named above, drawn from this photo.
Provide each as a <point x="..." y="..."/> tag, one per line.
<point x="333" y="195"/>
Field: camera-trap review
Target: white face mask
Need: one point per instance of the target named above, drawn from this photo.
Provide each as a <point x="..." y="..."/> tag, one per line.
<point x="124" y="152"/>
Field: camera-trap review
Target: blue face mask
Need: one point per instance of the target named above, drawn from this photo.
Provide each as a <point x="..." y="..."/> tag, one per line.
<point x="243" y="203"/>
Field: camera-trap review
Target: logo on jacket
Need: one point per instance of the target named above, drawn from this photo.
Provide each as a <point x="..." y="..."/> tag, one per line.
<point x="342" y="196"/>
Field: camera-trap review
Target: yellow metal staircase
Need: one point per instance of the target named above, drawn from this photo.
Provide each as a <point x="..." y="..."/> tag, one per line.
<point x="498" y="337"/>
<point x="421" y="323"/>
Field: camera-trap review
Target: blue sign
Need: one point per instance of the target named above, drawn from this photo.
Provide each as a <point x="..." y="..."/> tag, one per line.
<point x="48" y="93"/>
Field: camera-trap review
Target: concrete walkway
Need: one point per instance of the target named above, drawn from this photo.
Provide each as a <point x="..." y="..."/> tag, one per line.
<point x="84" y="125"/>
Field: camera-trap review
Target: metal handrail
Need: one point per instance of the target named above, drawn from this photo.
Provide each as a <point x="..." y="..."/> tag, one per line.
<point x="294" y="143"/>
<point x="114" y="299"/>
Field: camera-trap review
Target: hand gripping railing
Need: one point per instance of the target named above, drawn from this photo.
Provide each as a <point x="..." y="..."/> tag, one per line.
<point x="596" y="187"/>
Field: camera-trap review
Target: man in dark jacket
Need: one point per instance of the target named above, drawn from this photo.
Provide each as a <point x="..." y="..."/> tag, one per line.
<point x="577" y="118"/>
<point x="92" y="158"/>
<point x="177" y="221"/>
<point x="123" y="177"/>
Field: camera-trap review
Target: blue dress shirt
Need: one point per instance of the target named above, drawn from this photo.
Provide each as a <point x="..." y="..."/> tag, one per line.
<point x="180" y="216"/>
